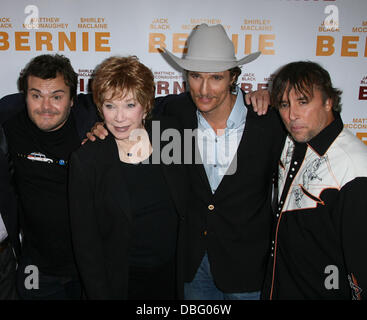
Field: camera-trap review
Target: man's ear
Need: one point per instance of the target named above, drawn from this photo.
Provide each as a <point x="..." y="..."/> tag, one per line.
<point x="329" y="104"/>
<point x="72" y="102"/>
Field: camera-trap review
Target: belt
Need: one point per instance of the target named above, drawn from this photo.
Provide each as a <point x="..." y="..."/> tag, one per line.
<point x="4" y="244"/>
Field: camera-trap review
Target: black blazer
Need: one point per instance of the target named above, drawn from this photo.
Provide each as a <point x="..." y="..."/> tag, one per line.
<point x="101" y="216"/>
<point x="233" y="225"/>
<point x="8" y="204"/>
<point x="10" y="105"/>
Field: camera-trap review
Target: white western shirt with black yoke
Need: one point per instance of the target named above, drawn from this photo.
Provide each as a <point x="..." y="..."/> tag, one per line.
<point x="319" y="247"/>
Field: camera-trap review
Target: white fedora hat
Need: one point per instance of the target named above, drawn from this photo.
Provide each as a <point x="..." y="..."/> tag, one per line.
<point x="210" y="50"/>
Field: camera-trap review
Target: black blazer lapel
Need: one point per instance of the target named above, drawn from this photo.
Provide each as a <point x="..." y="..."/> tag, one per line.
<point x="198" y="166"/>
<point x="197" y="162"/>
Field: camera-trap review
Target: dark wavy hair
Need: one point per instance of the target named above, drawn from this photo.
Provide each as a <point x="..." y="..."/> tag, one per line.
<point x="234" y="74"/>
<point x="49" y="66"/>
<point x="304" y="76"/>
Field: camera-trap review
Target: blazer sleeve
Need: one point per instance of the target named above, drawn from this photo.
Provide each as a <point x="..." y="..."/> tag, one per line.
<point x="85" y="113"/>
<point x="86" y="237"/>
<point x="162" y="105"/>
<point x="10" y="105"/>
<point x="352" y="205"/>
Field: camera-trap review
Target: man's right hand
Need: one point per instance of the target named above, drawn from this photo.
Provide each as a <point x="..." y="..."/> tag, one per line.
<point x="98" y="130"/>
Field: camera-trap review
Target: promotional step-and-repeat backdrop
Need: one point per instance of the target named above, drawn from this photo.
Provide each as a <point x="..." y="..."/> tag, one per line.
<point x="330" y="32"/>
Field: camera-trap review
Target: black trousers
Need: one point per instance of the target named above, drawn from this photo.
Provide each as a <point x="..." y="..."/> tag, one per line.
<point x="7" y="274"/>
<point x="153" y="283"/>
<point x="49" y="287"/>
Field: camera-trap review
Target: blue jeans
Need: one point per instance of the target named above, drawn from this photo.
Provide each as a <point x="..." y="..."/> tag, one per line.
<point x="204" y="288"/>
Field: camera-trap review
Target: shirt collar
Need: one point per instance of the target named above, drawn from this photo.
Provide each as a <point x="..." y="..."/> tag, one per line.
<point x="202" y="123"/>
<point x="326" y="137"/>
<point x="238" y="113"/>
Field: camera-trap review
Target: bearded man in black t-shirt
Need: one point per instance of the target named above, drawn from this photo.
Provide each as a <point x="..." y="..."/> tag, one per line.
<point x="41" y="138"/>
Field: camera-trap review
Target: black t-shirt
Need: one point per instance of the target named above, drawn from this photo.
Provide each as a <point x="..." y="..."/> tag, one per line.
<point x="155" y="223"/>
<point x="40" y="161"/>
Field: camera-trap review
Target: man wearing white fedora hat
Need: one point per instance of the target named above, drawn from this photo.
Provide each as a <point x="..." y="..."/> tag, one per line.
<point x="230" y="214"/>
<point x="229" y="220"/>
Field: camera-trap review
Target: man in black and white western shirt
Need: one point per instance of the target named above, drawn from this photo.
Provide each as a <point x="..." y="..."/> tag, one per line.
<point x="320" y="240"/>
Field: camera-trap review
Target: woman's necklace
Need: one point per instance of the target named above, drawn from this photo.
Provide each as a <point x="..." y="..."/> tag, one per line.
<point x="136" y="152"/>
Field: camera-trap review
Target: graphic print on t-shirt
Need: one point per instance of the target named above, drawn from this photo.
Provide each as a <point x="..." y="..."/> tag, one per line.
<point x="41" y="157"/>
